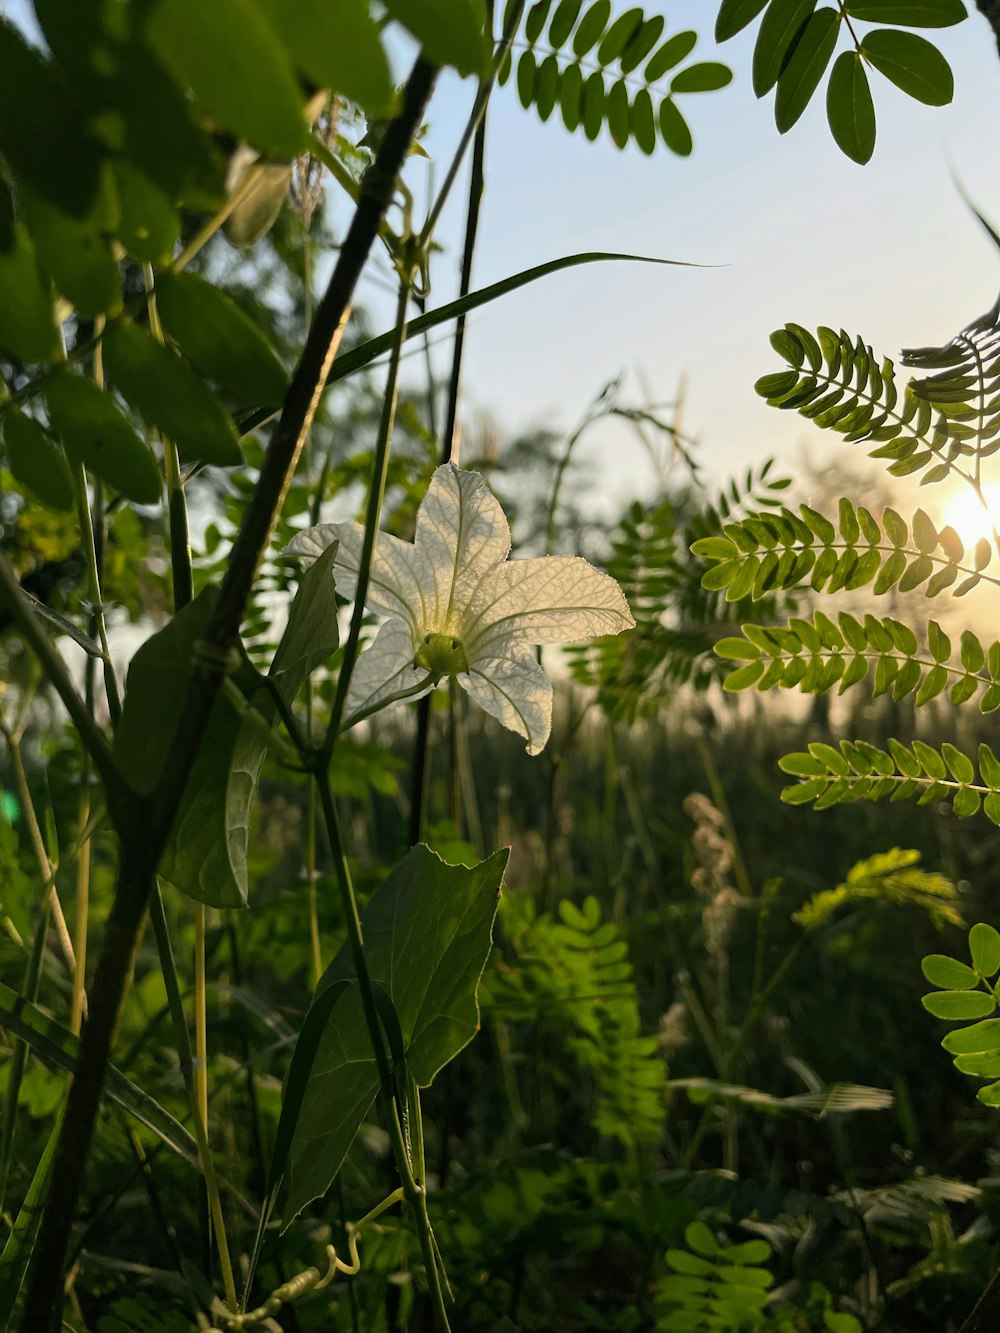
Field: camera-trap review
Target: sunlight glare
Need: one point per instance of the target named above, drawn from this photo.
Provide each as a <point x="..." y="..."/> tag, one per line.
<point x="971" y="521"/>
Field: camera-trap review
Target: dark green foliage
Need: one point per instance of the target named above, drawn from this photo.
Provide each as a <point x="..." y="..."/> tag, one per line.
<point x="579" y="58"/>
<point x="573" y="969"/>
<point x="796" y="44"/>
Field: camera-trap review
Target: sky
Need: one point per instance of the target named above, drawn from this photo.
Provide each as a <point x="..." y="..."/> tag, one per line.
<point x="794" y="229"/>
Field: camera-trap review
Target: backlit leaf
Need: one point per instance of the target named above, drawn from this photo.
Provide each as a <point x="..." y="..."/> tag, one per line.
<point x="427" y="936"/>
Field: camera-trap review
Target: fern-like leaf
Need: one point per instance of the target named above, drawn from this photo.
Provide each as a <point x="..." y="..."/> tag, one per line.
<point x="970" y="992"/>
<point x="896" y="877"/>
<point x="712" y="1287"/>
<point x="815" y="655"/>
<point x="860" y="771"/>
<point x="936" y="423"/>
<point x="603" y="71"/>
<point x="766" y="552"/>
<point x="576" y="967"/>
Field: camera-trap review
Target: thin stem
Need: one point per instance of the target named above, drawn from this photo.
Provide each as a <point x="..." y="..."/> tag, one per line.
<point x="148" y="824"/>
<point x="476" y="115"/>
<point x="414" y="1193"/>
<point x="199" y="1120"/>
<point x="45" y="867"/>
<point x="373" y="516"/>
<point x="82" y="899"/>
<point x="316" y="950"/>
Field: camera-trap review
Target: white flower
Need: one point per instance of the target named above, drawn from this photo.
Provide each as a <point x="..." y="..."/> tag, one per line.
<point x="457" y="607"/>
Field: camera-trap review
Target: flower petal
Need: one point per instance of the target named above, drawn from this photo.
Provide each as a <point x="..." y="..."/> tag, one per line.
<point x="516" y="691"/>
<point x="462" y="534"/>
<point x="385" y="667"/>
<point x="401" y="582"/>
<point x="552" y="599"/>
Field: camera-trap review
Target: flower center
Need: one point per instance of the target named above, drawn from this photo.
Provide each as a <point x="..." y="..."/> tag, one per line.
<point x="441" y="655"/>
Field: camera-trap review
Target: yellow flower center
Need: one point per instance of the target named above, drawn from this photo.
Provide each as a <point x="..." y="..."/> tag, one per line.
<point x="441" y="655"/>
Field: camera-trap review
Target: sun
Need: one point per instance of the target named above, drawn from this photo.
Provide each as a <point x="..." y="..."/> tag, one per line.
<point x="966" y="514"/>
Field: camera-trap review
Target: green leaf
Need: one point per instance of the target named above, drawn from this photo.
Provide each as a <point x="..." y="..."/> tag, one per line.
<point x="206" y="854"/>
<point x="27" y="321"/>
<point x="526" y="78"/>
<point x="75" y="254"/>
<point x="591" y="27"/>
<point x="155" y="689"/>
<point x="699" y="1238"/>
<point x="779" y="28"/>
<point x="734" y="15"/>
<point x="20" y="1243"/>
<point x="959" y="1004"/>
<point x="674" y="129"/>
<point x="948" y="973"/>
<point x="338" y="46"/>
<point x="452" y="32"/>
<point x="563" y="19"/>
<point x="743" y="677"/>
<point x="58" y="1048"/>
<point x="800" y="77"/>
<point x="961" y="766"/>
<point x="984" y="947"/>
<point x="149" y="225"/>
<point x="979" y="1066"/>
<point x="97" y="433"/>
<point x="644" y="122"/>
<point x="849" y="108"/>
<point x="938" y="642"/>
<point x="427" y="936"/>
<point x="231" y="58"/>
<point x="908" y="13"/>
<point x="912" y="63"/>
<point x="220" y="340"/>
<point x="312" y="633"/>
<point x="706" y="77"/>
<point x="618" y="36"/>
<point x="982" y="1036"/>
<point x="37" y="461"/>
<point x="671" y="53"/>
<point x="989" y="766"/>
<point x="989" y="1096"/>
<point x="171" y="397"/>
<point x="618" y="113"/>
<point x="43" y="134"/>
<point x="593" y="105"/>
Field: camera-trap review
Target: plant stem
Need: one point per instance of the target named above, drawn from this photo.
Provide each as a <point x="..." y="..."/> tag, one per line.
<point x="373" y="516"/>
<point x="145" y="824"/>
<point x="82" y="900"/>
<point x="472" y="125"/>
<point x="415" y="1194"/>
